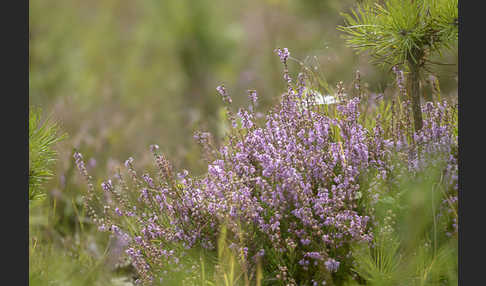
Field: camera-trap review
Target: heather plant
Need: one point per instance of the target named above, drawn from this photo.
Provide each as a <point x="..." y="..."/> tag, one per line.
<point x="292" y="194"/>
<point x="399" y="32"/>
<point x="161" y="92"/>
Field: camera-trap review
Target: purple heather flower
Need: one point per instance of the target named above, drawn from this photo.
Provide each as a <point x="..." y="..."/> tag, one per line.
<point x="148" y="180"/>
<point x="118" y="212"/>
<point x="107" y="186"/>
<point x="246" y="118"/>
<point x="252" y="95"/>
<point x="304" y="262"/>
<point x="129" y="162"/>
<point x="332" y="265"/>
<point x="222" y="91"/>
<point x="154" y="147"/>
<point x="314" y="255"/>
<point x="305" y="241"/>
<point x="283" y="54"/>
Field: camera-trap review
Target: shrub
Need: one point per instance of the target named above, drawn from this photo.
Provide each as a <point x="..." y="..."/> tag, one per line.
<point x="294" y="193"/>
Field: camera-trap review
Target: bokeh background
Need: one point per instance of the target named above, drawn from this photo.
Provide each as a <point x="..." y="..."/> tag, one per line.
<point x="120" y="75"/>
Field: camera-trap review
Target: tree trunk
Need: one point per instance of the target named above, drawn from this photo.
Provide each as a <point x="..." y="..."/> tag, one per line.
<point x="415" y="95"/>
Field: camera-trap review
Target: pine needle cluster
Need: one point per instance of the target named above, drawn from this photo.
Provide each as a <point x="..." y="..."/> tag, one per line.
<point x="43" y="135"/>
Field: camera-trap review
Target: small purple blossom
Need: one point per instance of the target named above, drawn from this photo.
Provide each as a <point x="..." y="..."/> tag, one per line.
<point x="129" y="162"/>
<point x="154" y="147"/>
<point x="332" y="265"/>
<point x="107" y="186"/>
<point x="252" y="95"/>
<point x="314" y="255"/>
<point x="283" y="54"/>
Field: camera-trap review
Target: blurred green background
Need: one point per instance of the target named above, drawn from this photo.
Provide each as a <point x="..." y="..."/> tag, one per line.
<point x="120" y="75"/>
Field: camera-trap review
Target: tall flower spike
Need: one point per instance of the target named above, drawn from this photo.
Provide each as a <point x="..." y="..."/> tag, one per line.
<point x="301" y="84"/>
<point x="283" y="54"/>
<point x="400" y="80"/>
<point x="252" y="95"/>
<point x="222" y="91"/>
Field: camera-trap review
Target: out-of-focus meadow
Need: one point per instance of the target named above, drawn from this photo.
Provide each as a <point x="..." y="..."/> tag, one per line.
<point x="121" y="75"/>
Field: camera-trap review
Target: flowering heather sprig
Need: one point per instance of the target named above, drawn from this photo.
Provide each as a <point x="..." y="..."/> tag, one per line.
<point x="154" y="148"/>
<point x="284" y="56"/>
<point x="204" y="140"/>
<point x="227" y="99"/>
<point x="90" y="196"/>
<point x="224" y="94"/>
<point x="252" y="96"/>
<point x="340" y="91"/>
<point x="246" y="118"/>
<point x="400" y="80"/>
<point x="107" y="186"/>
<point x="332" y="265"/>
<point x="436" y="138"/>
<point x="82" y="169"/>
<point x="300" y="84"/>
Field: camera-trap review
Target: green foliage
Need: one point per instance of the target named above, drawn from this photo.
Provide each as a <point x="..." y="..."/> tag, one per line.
<point x="401" y="31"/>
<point x="42" y="137"/>
<point x="49" y="265"/>
<point x="73" y="259"/>
<point x="379" y="264"/>
<point x="446" y="18"/>
<point x="411" y="246"/>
